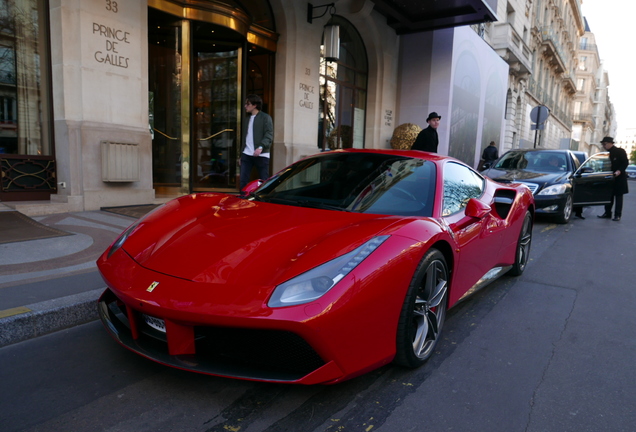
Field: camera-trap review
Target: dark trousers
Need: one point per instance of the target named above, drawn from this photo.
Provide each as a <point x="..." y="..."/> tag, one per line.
<point x="249" y="162"/>
<point x="618" y="210"/>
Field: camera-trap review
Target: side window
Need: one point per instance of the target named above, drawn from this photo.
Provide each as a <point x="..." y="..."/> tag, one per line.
<point x="600" y="162"/>
<point x="574" y="161"/>
<point x="460" y="185"/>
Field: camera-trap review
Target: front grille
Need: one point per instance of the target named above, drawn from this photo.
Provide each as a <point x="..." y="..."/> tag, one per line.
<point x="233" y="352"/>
<point x="532" y="186"/>
<point x="268" y="350"/>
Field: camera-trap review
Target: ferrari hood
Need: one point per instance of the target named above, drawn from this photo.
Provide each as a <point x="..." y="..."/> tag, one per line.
<point x="224" y="239"/>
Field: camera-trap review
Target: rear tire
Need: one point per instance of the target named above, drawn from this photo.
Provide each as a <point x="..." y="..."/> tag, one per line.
<point x="423" y="312"/>
<point x="523" y="246"/>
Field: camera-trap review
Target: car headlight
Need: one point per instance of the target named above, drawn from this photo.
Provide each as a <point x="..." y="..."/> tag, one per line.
<point x="124" y="236"/>
<point x="316" y="282"/>
<point x="122" y="239"/>
<point x="557" y="189"/>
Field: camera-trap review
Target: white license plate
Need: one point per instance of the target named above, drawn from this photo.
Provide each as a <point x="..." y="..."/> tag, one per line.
<point x="155" y="323"/>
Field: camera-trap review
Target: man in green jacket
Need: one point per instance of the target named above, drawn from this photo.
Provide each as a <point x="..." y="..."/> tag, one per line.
<point x="258" y="134"/>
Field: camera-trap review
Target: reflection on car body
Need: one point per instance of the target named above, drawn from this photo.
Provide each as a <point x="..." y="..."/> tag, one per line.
<point x="557" y="179"/>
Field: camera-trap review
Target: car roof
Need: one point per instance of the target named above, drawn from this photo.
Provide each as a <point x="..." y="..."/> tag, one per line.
<point x="541" y="150"/>
<point x="436" y="157"/>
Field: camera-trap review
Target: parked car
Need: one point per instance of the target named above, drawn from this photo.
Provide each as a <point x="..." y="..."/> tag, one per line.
<point x="631" y="171"/>
<point x="557" y="179"/>
<point x="340" y="263"/>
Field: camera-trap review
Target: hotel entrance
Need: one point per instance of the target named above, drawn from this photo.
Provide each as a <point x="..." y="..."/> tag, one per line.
<point x="200" y="71"/>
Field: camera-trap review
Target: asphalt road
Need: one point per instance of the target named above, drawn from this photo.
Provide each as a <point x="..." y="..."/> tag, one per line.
<point x="552" y="350"/>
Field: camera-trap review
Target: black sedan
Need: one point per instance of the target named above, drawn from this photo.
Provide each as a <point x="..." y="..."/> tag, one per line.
<point x="557" y="179"/>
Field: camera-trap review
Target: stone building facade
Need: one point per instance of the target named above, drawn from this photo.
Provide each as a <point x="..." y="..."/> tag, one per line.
<point x="593" y="112"/>
<point x="553" y="62"/>
<point x="130" y="101"/>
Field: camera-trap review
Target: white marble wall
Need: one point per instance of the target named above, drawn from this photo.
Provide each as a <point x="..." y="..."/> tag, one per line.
<point x="297" y="76"/>
<point x="99" y="67"/>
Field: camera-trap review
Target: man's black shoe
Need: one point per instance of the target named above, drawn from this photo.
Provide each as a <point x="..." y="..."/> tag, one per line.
<point x="580" y="216"/>
<point x="616" y="219"/>
<point x="604" y="216"/>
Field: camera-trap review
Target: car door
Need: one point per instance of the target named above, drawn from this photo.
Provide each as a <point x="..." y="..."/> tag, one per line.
<point x="594" y="181"/>
<point x="478" y="238"/>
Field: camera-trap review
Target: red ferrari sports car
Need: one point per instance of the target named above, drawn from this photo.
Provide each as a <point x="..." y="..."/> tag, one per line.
<point x="338" y="264"/>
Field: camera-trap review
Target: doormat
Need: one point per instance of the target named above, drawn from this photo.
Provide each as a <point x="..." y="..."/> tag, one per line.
<point x="16" y="227"/>
<point x="135" y="211"/>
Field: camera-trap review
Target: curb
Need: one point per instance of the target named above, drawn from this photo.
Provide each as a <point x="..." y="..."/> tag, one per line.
<point x="48" y="317"/>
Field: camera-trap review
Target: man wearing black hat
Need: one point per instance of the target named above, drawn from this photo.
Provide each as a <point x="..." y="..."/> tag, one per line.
<point x="619" y="160"/>
<point x="427" y="139"/>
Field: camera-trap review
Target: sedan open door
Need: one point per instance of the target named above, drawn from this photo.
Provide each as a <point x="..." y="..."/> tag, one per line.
<point x="594" y="181"/>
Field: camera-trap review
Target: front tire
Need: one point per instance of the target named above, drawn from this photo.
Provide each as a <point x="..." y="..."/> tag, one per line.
<point x="423" y="312"/>
<point x="566" y="213"/>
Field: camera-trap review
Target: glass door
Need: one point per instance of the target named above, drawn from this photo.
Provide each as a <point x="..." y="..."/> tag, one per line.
<point x="165" y="80"/>
<point x="215" y="111"/>
<point x="197" y="82"/>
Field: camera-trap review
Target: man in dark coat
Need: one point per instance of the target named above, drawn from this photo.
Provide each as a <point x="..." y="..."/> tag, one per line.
<point x="427" y="139"/>
<point x="620" y="161"/>
<point x="489" y="155"/>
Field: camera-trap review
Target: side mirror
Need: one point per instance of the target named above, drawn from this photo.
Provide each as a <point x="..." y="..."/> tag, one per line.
<point x="477" y="209"/>
<point x="251" y="187"/>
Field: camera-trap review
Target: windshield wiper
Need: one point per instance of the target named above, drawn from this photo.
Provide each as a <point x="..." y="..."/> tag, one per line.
<point x="307" y="203"/>
<point x="253" y="196"/>
<point x="321" y="205"/>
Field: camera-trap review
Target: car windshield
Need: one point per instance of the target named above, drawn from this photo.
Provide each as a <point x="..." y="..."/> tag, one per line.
<point x="539" y="161"/>
<point x="356" y="182"/>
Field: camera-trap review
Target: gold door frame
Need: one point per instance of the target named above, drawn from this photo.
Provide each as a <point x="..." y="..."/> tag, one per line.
<point x="218" y="14"/>
<point x="222" y="15"/>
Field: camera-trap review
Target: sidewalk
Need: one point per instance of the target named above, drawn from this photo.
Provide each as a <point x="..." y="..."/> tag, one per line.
<point x="50" y="284"/>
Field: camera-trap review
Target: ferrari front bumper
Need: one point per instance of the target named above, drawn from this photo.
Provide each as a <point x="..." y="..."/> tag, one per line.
<point x="245" y="353"/>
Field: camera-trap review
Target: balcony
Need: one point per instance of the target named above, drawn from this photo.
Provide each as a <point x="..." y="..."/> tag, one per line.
<point x="586" y="118"/>
<point x="568" y="83"/>
<point x="586" y="46"/>
<point x="511" y="47"/>
<point x="555" y="111"/>
<point x="552" y="50"/>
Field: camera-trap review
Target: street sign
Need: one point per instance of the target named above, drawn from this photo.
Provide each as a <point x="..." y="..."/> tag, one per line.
<point x="539" y="114"/>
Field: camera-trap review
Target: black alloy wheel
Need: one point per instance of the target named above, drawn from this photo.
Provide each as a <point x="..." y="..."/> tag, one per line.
<point x="423" y="311"/>
<point x="523" y="246"/>
<point x="566" y="213"/>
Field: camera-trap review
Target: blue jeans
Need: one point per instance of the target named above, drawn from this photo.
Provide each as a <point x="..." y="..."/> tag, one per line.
<point x="249" y="162"/>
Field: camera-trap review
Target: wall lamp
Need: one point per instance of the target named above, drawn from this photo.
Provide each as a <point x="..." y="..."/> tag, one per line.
<point x="332" y="30"/>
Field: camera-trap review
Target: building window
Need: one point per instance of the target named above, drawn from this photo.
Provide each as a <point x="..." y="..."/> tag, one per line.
<point x="343" y="92"/>
<point x="24" y="78"/>
<point x="580" y="84"/>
